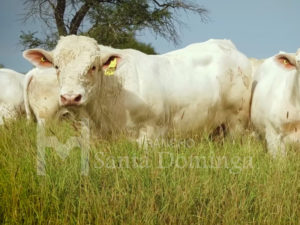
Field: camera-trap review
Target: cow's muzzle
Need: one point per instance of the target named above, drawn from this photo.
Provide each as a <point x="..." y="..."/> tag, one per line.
<point x="68" y="100"/>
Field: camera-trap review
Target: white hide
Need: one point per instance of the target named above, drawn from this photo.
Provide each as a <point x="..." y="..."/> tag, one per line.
<point x="41" y="94"/>
<point x="41" y="97"/>
<point x="255" y="64"/>
<point x="275" y="110"/>
<point x="190" y="90"/>
<point x="11" y="94"/>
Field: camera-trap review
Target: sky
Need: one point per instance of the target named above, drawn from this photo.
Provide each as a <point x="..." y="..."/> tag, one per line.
<point x="258" y="28"/>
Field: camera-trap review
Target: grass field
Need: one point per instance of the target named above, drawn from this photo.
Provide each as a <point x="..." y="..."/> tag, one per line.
<point x="194" y="181"/>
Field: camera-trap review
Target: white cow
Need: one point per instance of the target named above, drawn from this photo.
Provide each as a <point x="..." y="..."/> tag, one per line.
<point x="195" y="88"/>
<point x="255" y="64"/>
<point x="11" y="94"/>
<point x="275" y="108"/>
<point x="41" y="95"/>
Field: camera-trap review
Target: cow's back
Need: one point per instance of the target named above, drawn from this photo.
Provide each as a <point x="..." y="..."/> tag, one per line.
<point x="198" y="86"/>
<point x="11" y="84"/>
<point x="221" y="78"/>
<point x="11" y="95"/>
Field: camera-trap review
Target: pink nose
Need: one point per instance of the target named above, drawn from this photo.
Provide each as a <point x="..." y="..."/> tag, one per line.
<point x="70" y="99"/>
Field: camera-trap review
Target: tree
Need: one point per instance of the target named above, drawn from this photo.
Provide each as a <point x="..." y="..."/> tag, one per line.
<point x="110" y="22"/>
<point x="1" y="66"/>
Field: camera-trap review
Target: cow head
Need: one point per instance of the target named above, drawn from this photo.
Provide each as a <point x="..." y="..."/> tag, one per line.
<point x="79" y="67"/>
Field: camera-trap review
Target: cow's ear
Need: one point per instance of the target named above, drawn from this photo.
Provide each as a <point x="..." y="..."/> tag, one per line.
<point x="286" y="60"/>
<point x="110" y="65"/>
<point x="110" y="61"/>
<point x="38" y="57"/>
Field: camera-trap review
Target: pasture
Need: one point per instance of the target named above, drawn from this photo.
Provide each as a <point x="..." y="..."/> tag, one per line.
<point x="179" y="181"/>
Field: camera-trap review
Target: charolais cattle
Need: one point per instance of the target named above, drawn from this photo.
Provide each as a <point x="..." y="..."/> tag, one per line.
<point x="11" y="95"/>
<point x="41" y="96"/>
<point x="275" y="110"/>
<point x="192" y="89"/>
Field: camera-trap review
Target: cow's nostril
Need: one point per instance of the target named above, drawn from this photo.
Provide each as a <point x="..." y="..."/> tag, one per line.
<point x="66" y="114"/>
<point x="63" y="98"/>
<point x="78" y="98"/>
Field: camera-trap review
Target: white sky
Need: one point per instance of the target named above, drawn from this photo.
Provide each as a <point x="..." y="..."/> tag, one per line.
<point x="259" y="28"/>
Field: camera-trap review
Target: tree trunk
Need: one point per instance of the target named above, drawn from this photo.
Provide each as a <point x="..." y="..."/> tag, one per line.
<point x="59" y="17"/>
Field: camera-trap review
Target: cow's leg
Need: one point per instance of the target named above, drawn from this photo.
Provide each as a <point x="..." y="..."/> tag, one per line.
<point x="275" y="144"/>
<point x="145" y="135"/>
<point x="293" y="137"/>
<point x="7" y="111"/>
<point x="144" y="120"/>
<point x="236" y="124"/>
<point x="150" y="134"/>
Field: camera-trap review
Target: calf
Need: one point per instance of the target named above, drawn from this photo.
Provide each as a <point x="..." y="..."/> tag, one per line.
<point x="41" y="95"/>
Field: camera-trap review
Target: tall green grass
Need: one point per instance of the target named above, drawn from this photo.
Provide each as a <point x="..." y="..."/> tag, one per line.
<point x="230" y="181"/>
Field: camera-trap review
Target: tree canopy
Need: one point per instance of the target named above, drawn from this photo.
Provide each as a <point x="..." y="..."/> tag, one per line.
<point x="110" y="22"/>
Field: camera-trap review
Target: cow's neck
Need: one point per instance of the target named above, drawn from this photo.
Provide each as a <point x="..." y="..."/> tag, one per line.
<point x="105" y="107"/>
<point x="295" y="89"/>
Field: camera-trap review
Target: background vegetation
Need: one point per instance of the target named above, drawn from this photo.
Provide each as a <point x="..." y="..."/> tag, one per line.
<point x="111" y="22"/>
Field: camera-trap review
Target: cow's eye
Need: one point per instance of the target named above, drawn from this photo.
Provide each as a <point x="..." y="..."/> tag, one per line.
<point x="93" y="68"/>
<point x="56" y="67"/>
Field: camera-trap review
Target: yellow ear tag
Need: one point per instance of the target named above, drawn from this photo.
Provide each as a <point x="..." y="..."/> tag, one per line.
<point x="110" y="71"/>
<point x="43" y="59"/>
<point x="285" y="61"/>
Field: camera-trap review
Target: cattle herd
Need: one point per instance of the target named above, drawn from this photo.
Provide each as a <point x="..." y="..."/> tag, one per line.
<point x="198" y="88"/>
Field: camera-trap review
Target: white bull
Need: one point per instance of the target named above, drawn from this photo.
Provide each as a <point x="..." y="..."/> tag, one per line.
<point x="11" y="94"/>
<point x="196" y="88"/>
<point x="275" y="110"/>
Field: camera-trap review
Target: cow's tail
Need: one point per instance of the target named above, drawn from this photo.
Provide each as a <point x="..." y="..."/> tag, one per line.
<point x="254" y="83"/>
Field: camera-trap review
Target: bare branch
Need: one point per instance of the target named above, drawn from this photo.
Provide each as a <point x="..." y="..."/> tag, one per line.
<point x="59" y="17"/>
<point x="79" y="16"/>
